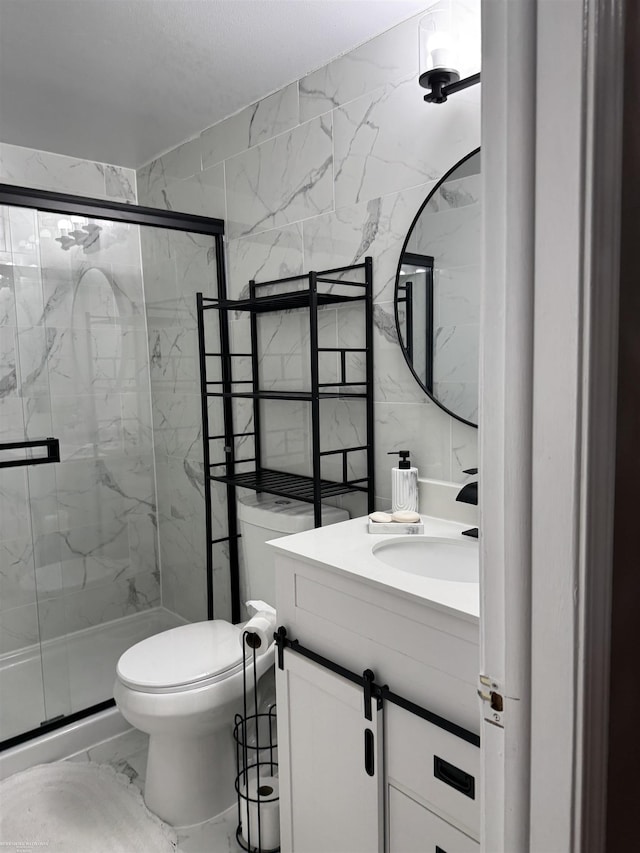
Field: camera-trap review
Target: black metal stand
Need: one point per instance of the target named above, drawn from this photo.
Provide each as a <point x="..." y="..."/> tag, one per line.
<point x="256" y="759"/>
<point x="309" y="291"/>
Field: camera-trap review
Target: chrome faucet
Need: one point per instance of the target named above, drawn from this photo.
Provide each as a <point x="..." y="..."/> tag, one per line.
<point x="468" y="494"/>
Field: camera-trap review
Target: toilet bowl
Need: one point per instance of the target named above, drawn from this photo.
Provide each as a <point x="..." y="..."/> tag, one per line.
<point x="183" y="687"/>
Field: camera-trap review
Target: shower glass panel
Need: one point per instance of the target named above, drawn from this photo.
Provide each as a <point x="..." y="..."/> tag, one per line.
<point x="98" y="345"/>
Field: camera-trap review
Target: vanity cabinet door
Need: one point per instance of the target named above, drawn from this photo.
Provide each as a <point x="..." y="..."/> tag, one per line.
<point x="330" y="763"/>
<point x="415" y="829"/>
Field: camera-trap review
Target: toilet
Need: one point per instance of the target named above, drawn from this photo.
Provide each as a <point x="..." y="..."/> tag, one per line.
<point x="184" y="686"/>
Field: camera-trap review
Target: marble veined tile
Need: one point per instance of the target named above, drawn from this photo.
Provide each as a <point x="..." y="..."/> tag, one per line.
<point x="281" y="181"/>
<point x="195" y="263"/>
<point x="464" y="449"/>
<point x="387" y="58"/>
<point x="7" y="295"/>
<point x="459" y="397"/>
<point x="180" y="162"/>
<point x="377" y="227"/>
<point x="286" y="431"/>
<point x="28" y="167"/>
<point x="457" y="295"/>
<point x="393" y="380"/>
<point x="458" y="193"/>
<point x="18" y="628"/>
<point x="182" y="536"/>
<point x="89" y="425"/>
<point x="452" y="236"/>
<point x="104" y="491"/>
<point x="272" y="115"/>
<point x="11" y="418"/>
<point x="8" y="361"/>
<point x="343" y="425"/>
<point x="97" y="604"/>
<point x="284" y="362"/>
<point x="174" y="365"/>
<point x="423" y="429"/>
<point x="177" y="419"/>
<point x="201" y="194"/>
<point x="91" y="361"/>
<point x="14" y="504"/>
<point x="455" y="353"/>
<point x="120" y="183"/>
<point x="16" y="568"/>
<point x="390" y="140"/>
<point x="263" y="257"/>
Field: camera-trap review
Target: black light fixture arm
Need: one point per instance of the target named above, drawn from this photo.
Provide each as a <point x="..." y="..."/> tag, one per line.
<point x="443" y="82"/>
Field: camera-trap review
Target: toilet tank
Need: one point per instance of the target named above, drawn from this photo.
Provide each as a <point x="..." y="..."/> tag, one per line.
<point x="262" y="518"/>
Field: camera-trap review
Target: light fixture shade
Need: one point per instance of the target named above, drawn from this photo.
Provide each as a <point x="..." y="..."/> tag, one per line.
<point x="437" y="40"/>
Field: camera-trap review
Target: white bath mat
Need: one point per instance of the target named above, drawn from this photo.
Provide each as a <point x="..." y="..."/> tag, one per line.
<point x="69" y="807"/>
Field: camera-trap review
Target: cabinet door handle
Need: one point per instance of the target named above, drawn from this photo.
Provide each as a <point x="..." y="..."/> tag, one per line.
<point x="369" y="755"/>
<point x="454" y="777"/>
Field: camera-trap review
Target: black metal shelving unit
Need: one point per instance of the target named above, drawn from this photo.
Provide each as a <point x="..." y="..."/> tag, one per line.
<point x="309" y="291"/>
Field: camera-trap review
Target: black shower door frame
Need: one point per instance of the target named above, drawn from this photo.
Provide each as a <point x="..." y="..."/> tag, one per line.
<point x="132" y="214"/>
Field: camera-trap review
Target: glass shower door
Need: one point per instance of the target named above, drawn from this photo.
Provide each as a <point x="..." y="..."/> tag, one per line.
<point x="83" y="355"/>
<point x="96" y="542"/>
<point x="78" y="552"/>
<point x="22" y="684"/>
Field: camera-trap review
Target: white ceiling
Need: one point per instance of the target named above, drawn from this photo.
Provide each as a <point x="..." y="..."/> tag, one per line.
<point x="121" y="81"/>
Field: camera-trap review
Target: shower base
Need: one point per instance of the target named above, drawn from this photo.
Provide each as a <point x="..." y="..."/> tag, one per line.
<point x="78" y="671"/>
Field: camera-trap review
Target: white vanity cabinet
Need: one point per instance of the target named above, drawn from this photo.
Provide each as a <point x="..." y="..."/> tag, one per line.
<point x="422" y="796"/>
<point x="326" y="742"/>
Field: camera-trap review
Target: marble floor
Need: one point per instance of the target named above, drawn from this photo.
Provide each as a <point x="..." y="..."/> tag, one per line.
<point x="127" y="754"/>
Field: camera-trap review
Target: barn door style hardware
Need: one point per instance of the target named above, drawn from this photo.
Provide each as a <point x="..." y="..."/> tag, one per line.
<point x="371" y="690"/>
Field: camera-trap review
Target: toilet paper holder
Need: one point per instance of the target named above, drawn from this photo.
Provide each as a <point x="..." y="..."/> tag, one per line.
<point x="256" y="781"/>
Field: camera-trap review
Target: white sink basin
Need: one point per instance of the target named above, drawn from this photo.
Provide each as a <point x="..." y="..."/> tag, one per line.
<point x="430" y="557"/>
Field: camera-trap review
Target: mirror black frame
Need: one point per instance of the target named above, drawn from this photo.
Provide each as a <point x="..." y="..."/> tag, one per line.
<point x="398" y="299"/>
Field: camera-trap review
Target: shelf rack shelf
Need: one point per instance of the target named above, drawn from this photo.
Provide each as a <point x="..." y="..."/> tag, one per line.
<point x="310" y="291"/>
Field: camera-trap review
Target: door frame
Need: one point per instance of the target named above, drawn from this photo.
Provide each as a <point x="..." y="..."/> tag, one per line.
<point x="551" y="140"/>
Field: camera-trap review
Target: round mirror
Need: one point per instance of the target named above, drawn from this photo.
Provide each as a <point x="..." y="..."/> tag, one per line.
<point x="437" y="295"/>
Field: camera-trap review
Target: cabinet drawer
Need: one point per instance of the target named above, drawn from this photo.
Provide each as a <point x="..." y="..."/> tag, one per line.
<point x="438" y="768"/>
<point x="415" y="829"/>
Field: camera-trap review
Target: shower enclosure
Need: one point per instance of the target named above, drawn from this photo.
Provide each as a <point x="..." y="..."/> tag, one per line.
<point x="100" y="543"/>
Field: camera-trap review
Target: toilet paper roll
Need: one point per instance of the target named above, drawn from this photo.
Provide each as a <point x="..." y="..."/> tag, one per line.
<point x="267" y="835"/>
<point x="260" y="628"/>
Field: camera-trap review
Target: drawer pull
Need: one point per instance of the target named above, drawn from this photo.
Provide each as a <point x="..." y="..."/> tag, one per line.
<point x="453" y="776"/>
<point x="369" y="759"/>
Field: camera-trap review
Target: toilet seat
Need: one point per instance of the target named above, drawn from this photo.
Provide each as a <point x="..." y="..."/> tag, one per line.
<point x="183" y="658"/>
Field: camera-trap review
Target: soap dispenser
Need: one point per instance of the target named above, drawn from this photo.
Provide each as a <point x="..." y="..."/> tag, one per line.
<point x="404" y="484"/>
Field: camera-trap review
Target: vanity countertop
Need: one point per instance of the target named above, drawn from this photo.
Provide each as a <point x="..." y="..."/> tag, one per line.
<point x="347" y="548"/>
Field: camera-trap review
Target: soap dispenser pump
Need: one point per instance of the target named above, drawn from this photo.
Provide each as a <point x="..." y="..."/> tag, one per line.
<point x="404" y="484"/>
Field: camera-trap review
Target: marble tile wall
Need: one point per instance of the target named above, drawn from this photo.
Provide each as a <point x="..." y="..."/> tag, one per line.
<point x="323" y="173"/>
<point x="176" y="265"/>
<point x="78" y="542"/>
<point x="326" y="171"/>
<point x="43" y="170"/>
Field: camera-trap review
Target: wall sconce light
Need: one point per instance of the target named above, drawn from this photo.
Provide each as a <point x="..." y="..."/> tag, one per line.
<point x="438" y="59"/>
